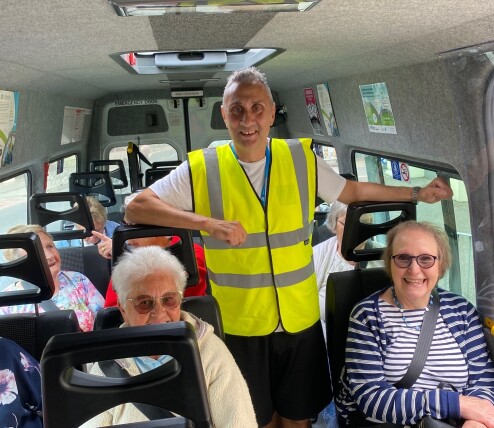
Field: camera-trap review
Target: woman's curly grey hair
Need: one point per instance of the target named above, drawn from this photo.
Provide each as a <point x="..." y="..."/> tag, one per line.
<point x="139" y="264"/>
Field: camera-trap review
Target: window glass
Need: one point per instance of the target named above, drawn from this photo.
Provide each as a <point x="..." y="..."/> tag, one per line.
<point x="454" y="213"/>
<point x="14" y="194"/>
<point x="152" y="152"/>
<point x="328" y="153"/>
<point x="219" y="143"/>
<point x="59" y="172"/>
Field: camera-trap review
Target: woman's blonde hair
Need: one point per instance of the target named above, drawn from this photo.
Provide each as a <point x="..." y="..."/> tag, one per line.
<point x="14" y="253"/>
<point x="98" y="211"/>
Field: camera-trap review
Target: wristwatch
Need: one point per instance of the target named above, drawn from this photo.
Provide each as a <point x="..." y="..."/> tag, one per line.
<point x="415" y="194"/>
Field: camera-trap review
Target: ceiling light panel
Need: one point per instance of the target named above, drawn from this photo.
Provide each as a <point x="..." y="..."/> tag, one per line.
<point x="162" y="7"/>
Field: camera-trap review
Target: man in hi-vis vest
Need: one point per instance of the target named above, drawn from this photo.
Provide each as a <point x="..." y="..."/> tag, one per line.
<point x="253" y="201"/>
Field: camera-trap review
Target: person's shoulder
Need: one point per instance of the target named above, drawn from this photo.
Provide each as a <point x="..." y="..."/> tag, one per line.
<point x="202" y="329"/>
<point x="368" y="305"/>
<point x="324" y="245"/>
<point x="453" y="302"/>
<point x="73" y="276"/>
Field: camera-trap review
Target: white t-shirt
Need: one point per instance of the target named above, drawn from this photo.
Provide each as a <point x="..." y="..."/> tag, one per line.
<point x="326" y="260"/>
<point x="175" y="189"/>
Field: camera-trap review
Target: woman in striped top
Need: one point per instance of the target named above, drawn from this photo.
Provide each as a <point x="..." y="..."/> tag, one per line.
<point x="457" y="380"/>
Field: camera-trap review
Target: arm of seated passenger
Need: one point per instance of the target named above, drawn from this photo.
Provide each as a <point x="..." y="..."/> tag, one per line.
<point x="367" y="384"/>
<point x="480" y="365"/>
<point x="21" y="387"/>
<point x="103" y="419"/>
<point x="229" y="397"/>
<point x="92" y="297"/>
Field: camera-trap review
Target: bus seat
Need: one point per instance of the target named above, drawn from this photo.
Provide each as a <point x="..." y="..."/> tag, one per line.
<point x="77" y="213"/>
<point x="96" y="183"/>
<point x="116" y="169"/>
<point x="320" y="232"/>
<point x="70" y="396"/>
<point x="31" y="331"/>
<point x="159" y="170"/>
<point x="345" y="289"/>
<point x="203" y="307"/>
<point x="183" y="249"/>
<point x="153" y="174"/>
<point x="89" y="262"/>
<point x="164" y="164"/>
<point x="489" y="339"/>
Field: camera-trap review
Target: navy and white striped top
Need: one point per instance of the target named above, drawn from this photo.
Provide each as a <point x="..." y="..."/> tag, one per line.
<point x="380" y="347"/>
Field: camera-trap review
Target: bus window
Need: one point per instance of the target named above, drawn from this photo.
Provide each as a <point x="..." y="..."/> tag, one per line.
<point x="328" y="153"/>
<point x="14" y="193"/>
<point x="59" y="171"/>
<point x="219" y="143"/>
<point x="452" y="215"/>
<point x="152" y="152"/>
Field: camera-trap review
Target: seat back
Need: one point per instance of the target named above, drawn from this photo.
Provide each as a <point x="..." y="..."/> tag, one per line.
<point x="77" y="213"/>
<point x="177" y="386"/>
<point x="345" y="289"/>
<point x="116" y="169"/>
<point x="96" y="183"/>
<point x="31" y="331"/>
<point x="203" y="307"/>
<point x="89" y="262"/>
<point x="153" y="174"/>
<point x="183" y="250"/>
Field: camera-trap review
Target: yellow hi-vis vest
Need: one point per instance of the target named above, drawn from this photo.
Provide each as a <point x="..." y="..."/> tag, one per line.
<point x="271" y="276"/>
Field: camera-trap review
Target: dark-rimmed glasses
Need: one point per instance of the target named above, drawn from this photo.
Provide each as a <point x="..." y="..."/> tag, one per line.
<point x="145" y="304"/>
<point x="403" y="261"/>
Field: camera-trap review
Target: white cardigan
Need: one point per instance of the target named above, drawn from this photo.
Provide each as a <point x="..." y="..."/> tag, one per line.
<point x="229" y="398"/>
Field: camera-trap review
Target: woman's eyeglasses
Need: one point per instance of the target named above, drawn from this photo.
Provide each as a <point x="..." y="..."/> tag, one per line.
<point x="425" y="261"/>
<point x="145" y="304"/>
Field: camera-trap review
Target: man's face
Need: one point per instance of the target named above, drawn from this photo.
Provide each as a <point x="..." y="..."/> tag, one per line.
<point x="248" y="113"/>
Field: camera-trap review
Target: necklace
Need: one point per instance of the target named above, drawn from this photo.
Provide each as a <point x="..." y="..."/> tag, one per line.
<point x="402" y="310"/>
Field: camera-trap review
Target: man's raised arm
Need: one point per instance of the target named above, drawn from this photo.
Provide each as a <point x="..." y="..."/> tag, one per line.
<point x="147" y="208"/>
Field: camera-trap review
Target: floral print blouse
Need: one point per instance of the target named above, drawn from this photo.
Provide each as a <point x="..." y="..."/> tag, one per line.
<point x="76" y="292"/>
<point x="20" y="387"/>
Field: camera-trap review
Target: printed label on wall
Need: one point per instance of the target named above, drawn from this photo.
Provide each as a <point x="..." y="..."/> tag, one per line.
<point x="9" y="107"/>
<point x="315" y="119"/>
<point x="377" y="107"/>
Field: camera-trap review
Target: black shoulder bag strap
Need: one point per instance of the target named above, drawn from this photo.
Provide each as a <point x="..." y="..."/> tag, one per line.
<point x="112" y="369"/>
<point x="423" y="345"/>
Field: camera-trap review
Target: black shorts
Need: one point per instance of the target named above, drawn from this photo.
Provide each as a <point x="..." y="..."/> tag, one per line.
<point x="286" y="373"/>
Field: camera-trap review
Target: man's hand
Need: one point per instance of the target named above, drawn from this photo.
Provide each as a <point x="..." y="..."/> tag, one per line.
<point x="476" y="410"/>
<point x="231" y="232"/>
<point x="104" y="245"/>
<point x="435" y="191"/>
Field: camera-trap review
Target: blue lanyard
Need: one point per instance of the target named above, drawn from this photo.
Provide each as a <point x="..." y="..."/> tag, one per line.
<point x="266" y="172"/>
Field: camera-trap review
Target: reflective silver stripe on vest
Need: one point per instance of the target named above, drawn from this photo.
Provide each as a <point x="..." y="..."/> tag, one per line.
<point x="300" y="163"/>
<point x="214" y="184"/>
<point x="263" y="279"/>
<point x="258" y="240"/>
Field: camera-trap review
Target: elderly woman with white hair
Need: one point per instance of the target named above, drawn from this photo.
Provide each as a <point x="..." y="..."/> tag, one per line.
<point x="149" y="283"/>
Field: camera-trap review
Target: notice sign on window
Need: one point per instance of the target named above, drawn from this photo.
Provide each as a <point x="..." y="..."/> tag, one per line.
<point x="9" y="106"/>
<point x="76" y="123"/>
<point x="377" y="108"/>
